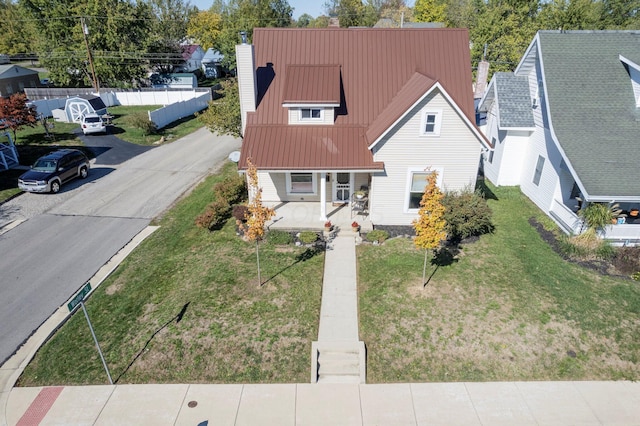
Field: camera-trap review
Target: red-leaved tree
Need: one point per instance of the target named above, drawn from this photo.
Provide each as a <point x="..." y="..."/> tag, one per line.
<point x="15" y="113"/>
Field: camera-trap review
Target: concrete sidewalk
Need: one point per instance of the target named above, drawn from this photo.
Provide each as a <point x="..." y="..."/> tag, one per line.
<point x="500" y="403"/>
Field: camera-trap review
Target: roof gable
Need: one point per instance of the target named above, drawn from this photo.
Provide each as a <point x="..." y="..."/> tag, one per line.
<point x="514" y="106"/>
<point x="413" y="90"/>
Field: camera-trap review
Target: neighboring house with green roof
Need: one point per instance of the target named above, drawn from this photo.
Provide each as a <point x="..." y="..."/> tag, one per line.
<point x="566" y="126"/>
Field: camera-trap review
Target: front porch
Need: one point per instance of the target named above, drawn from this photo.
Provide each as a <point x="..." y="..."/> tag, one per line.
<point x="300" y="215"/>
<point x="626" y="230"/>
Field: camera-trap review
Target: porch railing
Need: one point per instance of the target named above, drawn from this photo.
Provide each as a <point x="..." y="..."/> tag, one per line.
<point x="566" y="218"/>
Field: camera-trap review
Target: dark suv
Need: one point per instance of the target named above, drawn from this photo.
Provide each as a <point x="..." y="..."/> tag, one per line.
<point x="51" y="171"/>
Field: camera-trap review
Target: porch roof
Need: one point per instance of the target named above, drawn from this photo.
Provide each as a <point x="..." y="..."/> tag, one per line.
<point x="316" y="148"/>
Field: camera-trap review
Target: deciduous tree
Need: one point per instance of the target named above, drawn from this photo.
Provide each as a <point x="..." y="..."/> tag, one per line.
<point x="16" y="114"/>
<point x="223" y="115"/>
<point x="204" y="28"/>
<point x="258" y="214"/>
<point x="430" y="224"/>
<point x="429" y="11"/>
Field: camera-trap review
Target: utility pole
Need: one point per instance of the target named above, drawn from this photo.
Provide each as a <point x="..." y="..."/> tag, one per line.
<point x="85" y="32"/>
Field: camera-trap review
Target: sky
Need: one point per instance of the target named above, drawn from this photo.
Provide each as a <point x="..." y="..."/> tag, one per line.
<point x="314" y="8"/>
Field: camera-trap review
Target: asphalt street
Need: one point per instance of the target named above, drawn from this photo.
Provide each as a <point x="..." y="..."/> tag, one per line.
<point x="44" y="260"/>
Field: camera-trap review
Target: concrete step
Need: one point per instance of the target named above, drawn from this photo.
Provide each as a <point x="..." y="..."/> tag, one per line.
<point x="338" y="362"/>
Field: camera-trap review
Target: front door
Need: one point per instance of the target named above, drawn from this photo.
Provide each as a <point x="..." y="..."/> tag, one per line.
<point x="341" y="187"/>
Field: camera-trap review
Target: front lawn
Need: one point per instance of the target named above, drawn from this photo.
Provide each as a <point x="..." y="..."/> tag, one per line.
<point x="507" y="308"/>
<point x="185" y="307"/>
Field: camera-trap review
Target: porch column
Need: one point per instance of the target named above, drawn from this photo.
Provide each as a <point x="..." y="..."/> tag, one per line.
<point x="323" y="196"/>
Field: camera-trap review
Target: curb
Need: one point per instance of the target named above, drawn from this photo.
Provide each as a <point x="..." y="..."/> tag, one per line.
<point x="11" y="370"/>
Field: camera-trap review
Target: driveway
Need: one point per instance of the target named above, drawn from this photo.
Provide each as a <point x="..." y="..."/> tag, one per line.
<point x="109" y="149"/>
<point x="46" y="259"/>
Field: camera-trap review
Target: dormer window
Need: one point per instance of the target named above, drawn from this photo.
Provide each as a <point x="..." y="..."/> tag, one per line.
<point x="310" y="114"/>
<point x="634" y="72"/>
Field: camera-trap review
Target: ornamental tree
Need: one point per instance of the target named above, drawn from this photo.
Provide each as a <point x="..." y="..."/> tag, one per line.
<point x="430" y="225"/>
<point x="257" y="214"/>
<point x="16" y="114"/>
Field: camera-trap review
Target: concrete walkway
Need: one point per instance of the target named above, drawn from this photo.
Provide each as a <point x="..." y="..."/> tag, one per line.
<point x="503" y="403"/>
<point x="339" y="308"/>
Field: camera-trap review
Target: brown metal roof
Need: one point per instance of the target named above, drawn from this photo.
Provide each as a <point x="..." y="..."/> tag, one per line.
<point x="413" y="90"/>
<point x="375" y="65"/>
<point x="317" y="84"/>
<point x="307" y="148"/>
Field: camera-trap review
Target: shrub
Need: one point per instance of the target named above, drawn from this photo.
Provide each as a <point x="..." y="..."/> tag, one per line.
<point x="240" y="212"/>
<point x="140" y="120"/>
<point x="308" y="237"/>
<point x="232" y="189"/>
<point x="215" y="215"/>
<point x="586" y="247"/>
<point x="280" y="238"/>
<point x="377" y="235"/>
<point x="467" y="214"/>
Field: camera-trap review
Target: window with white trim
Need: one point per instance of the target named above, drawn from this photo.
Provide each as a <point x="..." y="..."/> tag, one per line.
<point x="538" y="173"/>
<point x="311" y="114"/>
<point x="301" y="183"/>
<point x="417" y="182"/>
<point x="431" y="122"/>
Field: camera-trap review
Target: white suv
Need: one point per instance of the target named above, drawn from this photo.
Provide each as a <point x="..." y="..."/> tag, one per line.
<point x="92" y="123"/>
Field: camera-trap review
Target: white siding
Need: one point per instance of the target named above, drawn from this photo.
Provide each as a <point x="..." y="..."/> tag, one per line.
<point x="247" y="89"/>
<point x="513" y="146"/>
<point x="540" y="144"/>
<point x="274" y="189"/>
<point x="328" y="117"/>
<point x="456" y="151"/>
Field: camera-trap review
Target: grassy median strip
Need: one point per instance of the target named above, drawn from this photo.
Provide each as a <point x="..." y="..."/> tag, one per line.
<point x="185" y="307"/>
<point x="507" y="308"/>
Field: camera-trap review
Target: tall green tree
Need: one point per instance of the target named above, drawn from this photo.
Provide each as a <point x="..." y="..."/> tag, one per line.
<point x="506" y="27"/>
<point x="168" y="29"/>
<point x="115" y="38"/>
<point x="204" y="27"/>
<point x="571" y="15"/>
<point x="429" y="11"/>
<point x="16" y="29"/>
<point x="245" y="15"/>
<point x="354" y="13"/>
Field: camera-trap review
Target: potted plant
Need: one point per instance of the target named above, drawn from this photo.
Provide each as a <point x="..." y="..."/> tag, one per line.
<point x="360" y="194"/>
<point x="327" y="226"/>
<point x="355" y="226"/>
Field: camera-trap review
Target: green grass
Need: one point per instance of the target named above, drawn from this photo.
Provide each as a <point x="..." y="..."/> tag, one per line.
<point x="231" y="331"/>
<point x="125" y="131"/>
<point x="506" y="308"/>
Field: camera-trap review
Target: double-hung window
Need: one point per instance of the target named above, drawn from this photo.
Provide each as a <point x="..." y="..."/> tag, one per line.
<point x="416" y="186"/>
<point x="431" y="122"/>
<point x="301" y="183"/>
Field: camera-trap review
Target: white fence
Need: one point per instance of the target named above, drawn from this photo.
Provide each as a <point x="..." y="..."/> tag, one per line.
<point x="170" y="113"/>
<point x="177" y="103"/>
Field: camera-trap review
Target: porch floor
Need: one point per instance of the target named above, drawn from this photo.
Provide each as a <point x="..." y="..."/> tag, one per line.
<point x="306" y="215"/>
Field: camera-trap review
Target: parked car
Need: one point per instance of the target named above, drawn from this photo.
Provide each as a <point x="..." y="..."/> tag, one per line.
<point x="49" y="172"/>
<point x="92" y="123"/>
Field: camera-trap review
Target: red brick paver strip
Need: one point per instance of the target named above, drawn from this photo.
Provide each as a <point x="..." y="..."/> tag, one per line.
<point x="40" y="406"/>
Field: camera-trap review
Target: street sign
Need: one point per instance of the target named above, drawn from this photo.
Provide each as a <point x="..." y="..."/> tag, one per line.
<point x="79" y="297"/>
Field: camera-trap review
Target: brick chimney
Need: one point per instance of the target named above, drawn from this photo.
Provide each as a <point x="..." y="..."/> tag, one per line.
<point x="247" y="89"/>
<point x="334" y="22"/>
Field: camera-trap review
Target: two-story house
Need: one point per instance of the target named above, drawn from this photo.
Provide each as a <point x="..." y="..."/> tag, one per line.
<point x="328" y="112"/>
